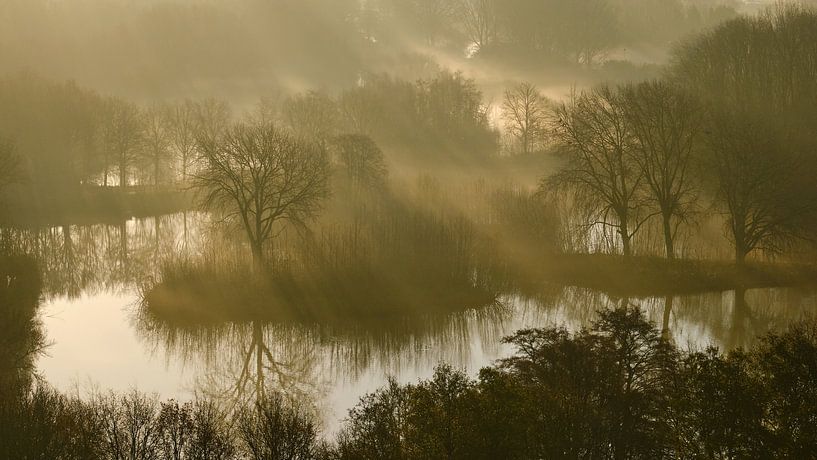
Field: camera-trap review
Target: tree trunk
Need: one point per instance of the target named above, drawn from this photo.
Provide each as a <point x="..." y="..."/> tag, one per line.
<point x="668" y="242"/>
<point x="184" y="168"/>
<point x="258" y="262"/>
<point x="259" y="362"/>
<point x="740" y="255"/>
<point x="123" y="174"/>
<point x="740" y="310"/>
<point x="740" y="249"/>
<point x="665" y="321"/>
<point x="123" y="244"/>
<point x="739" y="233"/>
<point x="625" y="237"/>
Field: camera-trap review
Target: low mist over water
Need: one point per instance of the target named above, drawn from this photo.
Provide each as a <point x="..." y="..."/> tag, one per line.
<point x="368" y="229"/>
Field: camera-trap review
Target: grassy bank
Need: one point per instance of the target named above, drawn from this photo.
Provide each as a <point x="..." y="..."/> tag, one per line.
<point x="211" y="293"/>
<point x="91" y="205"/>
<point x="654" y="276"/>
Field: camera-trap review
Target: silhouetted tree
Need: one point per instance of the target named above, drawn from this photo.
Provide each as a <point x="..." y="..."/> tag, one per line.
<point x="429" y="20"/>
<point x="127" y="423"/>
<point x="586" y="29"/>
<point x="787" y="362"/>
<point x="642" y="366"/>
<point x="525" y="112"/>
<point x="479" y="19"/>
<point x="362" y="160"/>
<point x="360" y="111"/>
<point x="21" y="334"/>
<point x="452" y="115"/>
<point x="665" y="122"/>
<point x="276" y="430"/>
<point x="593" y="131"/>
<point x="377" y="425"/>
<point x="764" y="62"/>
<point x="259" y="176"/>
<point x="157" y="138"/>
<point x="312" y="116"/>
<point x="122" y="134"/>
<point x="757" y="179"/>
<point x="578" y="31"/>
<point x="54" y="128"/>
<point x="175" y="429"/>
<point x="212" y="119"/>
<point x="762" y="66"/>
<point x="721" y="409"/>
<point x="182" y="133"/>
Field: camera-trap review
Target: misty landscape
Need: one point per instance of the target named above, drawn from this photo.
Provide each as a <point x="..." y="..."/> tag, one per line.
<point x="408" y="229"/>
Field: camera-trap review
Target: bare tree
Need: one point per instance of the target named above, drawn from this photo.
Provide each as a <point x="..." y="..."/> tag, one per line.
<point x="157" y="137"/>
<point x="267" y="110"/>
<point x="592" y="32"/>
<point x="313" y="116"/>
<point x="182" y="130"/>
<point x="525" y="113"/>
<point x="358" y="110"/>
<point x="212" y="119"/>
<point x="759" y="184"/>
<point x="430" y="18"/>
<point x="362" y="160"/>
<point x="593" y="133"/>
<point x="665" y="122"/>
<point x="258" y="175"/>
<point x="122" y="137"/>
<point x="480" y="21"/>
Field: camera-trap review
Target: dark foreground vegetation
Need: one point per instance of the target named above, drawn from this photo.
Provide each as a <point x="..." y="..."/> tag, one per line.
<point x="616" y="390"/>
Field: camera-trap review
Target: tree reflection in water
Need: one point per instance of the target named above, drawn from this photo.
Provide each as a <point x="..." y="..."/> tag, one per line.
<point x="244" y="361"/>
<point x="311" y="360"/>
<point x="21" y="335"/>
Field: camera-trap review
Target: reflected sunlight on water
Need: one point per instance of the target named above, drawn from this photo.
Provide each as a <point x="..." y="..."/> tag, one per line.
<point x="98" y="339"/>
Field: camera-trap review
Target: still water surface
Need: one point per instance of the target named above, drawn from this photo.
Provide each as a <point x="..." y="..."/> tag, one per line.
<point x="98" y="339"/>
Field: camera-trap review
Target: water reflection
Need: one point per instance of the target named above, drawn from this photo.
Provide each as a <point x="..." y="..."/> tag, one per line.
<point x="78" y="260"/>
<point x="21" y="336"/>
<point x="89" y="280"/>
<point x="331" y="366"/>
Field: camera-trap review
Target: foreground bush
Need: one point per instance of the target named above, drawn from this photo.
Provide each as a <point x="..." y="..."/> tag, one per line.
<point x="615" y="390"/>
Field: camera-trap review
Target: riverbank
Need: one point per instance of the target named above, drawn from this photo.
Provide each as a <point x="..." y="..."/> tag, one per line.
<point x="218" y="292"/>
<point x="654" y="276"/>
<point x="92" y="205"/>
<point x="207" y="293"/>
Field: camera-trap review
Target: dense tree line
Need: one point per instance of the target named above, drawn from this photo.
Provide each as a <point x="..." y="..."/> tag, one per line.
<point x="615" y="390"/>
<point x="728" y="131"/>
<point x="437" y="118"/>
<point x="636" y="155"/>
<point x="64" y="136"/>
<point x="95" y="140"/>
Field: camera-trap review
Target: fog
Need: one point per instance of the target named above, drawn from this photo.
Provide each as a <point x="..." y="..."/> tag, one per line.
<point x="408" y="229"/>
<point x="240" y="49"/>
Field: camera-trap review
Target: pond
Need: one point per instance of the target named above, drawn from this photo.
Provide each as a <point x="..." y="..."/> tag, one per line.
<point x="98" y="338"/>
